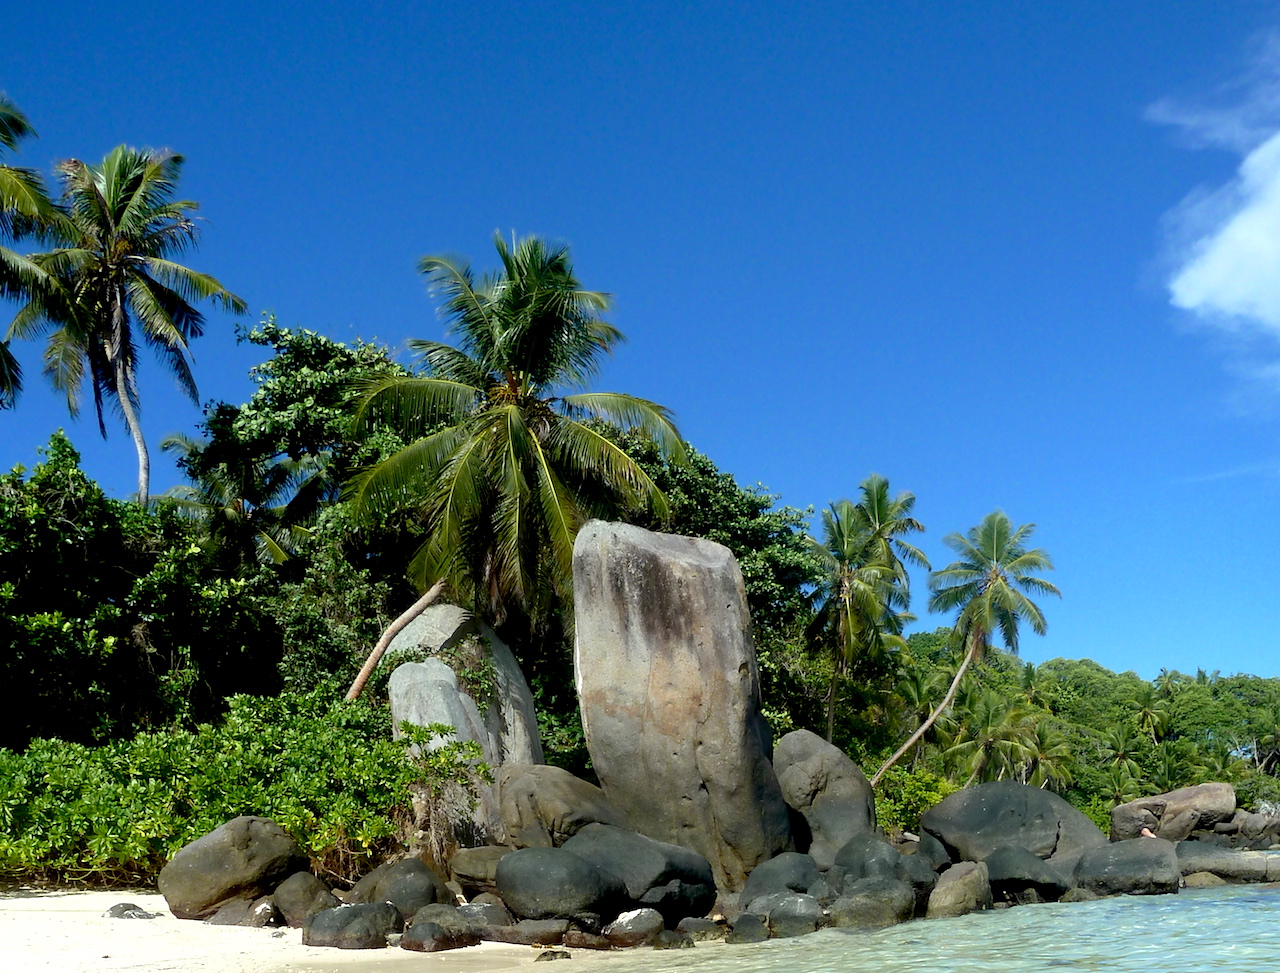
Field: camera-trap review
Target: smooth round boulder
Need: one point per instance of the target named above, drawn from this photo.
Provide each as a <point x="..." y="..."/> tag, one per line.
<point x="301" y="895"/>
<point x="474" y="868"/>
<point x="408" y="884"/>
<point x="1015" y="874"/>
<point x="975" y="821"/>
<point x="656" y="874"/>
<point x="431" y="937"/>
<point x="870" y="856"/>
<point x="790" y="914"/>
<point x="788" y="872"/>
<point x="547" y="883"/>
<point x="639" y="927"/>
<point x="246" y="858"/>
<point x="748" y="928"/>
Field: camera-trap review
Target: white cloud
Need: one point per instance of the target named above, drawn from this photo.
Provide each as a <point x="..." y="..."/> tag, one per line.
<point x="1225" y="243"/>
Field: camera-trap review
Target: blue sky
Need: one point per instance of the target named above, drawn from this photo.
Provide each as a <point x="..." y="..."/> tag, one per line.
<point x="1008" y="255"/>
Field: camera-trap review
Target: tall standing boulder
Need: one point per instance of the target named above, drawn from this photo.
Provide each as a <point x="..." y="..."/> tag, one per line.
<point x="667" y="681"/>
<point x="828" y="788"/>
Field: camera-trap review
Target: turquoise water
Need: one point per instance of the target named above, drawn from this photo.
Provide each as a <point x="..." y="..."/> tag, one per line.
<point x="1225" y="930"/>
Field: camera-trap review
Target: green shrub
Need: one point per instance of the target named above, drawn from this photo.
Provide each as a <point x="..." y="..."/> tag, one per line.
<point x="326" y="771"/>
<point x="904" y="795"/>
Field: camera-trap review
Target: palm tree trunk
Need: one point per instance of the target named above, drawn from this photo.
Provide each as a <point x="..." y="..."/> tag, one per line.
<point x="924" y="727"/>
<point x="123" y="388"/>
<point x="831" y="701"/>
<point x="394" y="629"/>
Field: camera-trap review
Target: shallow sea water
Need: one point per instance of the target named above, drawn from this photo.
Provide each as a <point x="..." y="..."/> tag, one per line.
<point x="1235" y="929"/>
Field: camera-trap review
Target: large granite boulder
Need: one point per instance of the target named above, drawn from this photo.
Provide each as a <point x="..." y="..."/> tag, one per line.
<point x="474" y="868"/>
<point x="301" y="895"/>
<point x="829" y="789"/>
<point x="355" y="926"/>
<point x="666" y="674"/>
<point x="961" y="889"/>
<point x="1137" y="866"/>
<point x="552" y="883"/>
<point x="675" y="881"/>
<point x="1176" y="814"/>
<point x="869" y="855"/>
<point x="974" y="822"/>
<point x="544" y="806"/>
<point x="246" y="858"/>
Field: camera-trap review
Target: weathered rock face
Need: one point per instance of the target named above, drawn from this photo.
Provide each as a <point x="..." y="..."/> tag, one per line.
<point x="544" y="806"/>
<point x="1137" y="866"/>
<point x="301" y="895"/>
<point x="1230" y="866"/>
<point x="1176" y="814"/>
<point x="670" y="696"/>
<point x="961" y="889"/>
<point x="408" y="884"/>
<point x="974" y="822"/>
<point x="245" y="858"/>
<point x="873" y="903"/>
<point x="1017" y="876"/>
<point x="510" y="724"/>
<point x="364" y="926"/>
<point x="829" y="789"/>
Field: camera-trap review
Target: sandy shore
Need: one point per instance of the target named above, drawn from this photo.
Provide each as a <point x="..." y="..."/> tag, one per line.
<point x="66" y="932"/>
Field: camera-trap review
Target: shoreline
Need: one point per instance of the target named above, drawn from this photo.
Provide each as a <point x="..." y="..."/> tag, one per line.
<point x="65" y="931"/>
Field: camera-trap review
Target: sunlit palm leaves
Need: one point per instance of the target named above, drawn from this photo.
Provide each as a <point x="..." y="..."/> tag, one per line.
<point x="865" y="590"/>
<point x="118" y="229"/>
<point x="24" y="211"/>
<point x="501" y="464"/>
<point x="986" y="588"/>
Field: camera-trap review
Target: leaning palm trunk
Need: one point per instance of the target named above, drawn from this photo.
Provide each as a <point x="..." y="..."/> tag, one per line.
<point x="394" y="629"/>
<point x="924" y="727"/>
<point x="123" y="392"/>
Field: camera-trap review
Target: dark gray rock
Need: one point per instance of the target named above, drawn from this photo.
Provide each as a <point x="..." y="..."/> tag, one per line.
<point x="431" y="937"/>
<point x="656" y="874"/>
<point x="1078" y="895"/>
<point x="874" y="903"/>
<point x="245" y="858"/>
<point x="474" y="868"/>
<point x="1015" y="873"/>
<point x="788" y="872"/>
<point x="485" y="914"/>
<point x="700" y="929"/>
<point x="1231" y="866"/>
<point x="933" y="851"/>
<point x="1139" y="866"/>
<point x="820" y="782"/>
<point x="353" y="926"/>
<point x="671" y="939"/>
<point x="670" y="695"/>
<point x="640" y="927"/>
<point x="1174" y="815"/>
<point x="748" y="928"/>
<point x="870" y="856"/>
<point x="544" y="806"/>
<point x="530" y="932"/>
<point x="789" y="914"/>
<point x="551" y="955"/>
<point x="578" y="939"/>
<point x="128" y="910"/>
<point x="920" y="876"/>
<point x="301" y="895"/>
<point x="408" y="884"/>
<point x="546" y="883"/>
<point x="255" y="913"/>
<point x="961" y="889"/>
<point x="974" y="822"/>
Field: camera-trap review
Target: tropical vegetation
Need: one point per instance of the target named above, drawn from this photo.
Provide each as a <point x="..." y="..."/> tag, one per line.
<point x="182" y="659"/>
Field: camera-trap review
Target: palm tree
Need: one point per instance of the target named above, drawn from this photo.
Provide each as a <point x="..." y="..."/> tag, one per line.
<point x="119" y="229"/>
<point x="1121" y="748"/>
<point x="1153" y="714"/>
<point x="24" y="210"/>
<point x="985" y="588"/>
<point x="865" y="589"/>
<point x="1049" y="756"/>
<point x="503" y="462"/>
<point x="992" y="737"/>
<point x="253" y="508"/>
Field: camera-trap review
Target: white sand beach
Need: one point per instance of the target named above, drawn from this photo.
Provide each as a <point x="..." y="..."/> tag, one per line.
<point x="66" y="932"/>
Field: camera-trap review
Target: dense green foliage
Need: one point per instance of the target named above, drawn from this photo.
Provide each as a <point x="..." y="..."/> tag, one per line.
<point x="327" y="772"/>
<point x="111" y="617"/>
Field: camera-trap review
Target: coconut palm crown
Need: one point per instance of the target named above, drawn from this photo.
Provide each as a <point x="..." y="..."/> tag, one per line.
<point x="503" y="463"/>
<point x="116" y="283"/>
